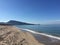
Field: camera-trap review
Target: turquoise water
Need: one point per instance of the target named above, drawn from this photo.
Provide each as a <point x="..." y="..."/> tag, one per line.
<point x="48" y="29"/>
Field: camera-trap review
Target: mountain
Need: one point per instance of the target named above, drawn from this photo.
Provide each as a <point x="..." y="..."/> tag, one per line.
<point x="13" y="22"/>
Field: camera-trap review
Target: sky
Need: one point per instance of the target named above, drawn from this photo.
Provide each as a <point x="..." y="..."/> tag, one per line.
<point x="32" y="11"/>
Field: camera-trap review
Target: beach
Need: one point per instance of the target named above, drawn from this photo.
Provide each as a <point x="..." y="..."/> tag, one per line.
<point x="10" y="35"/>
<point x="44" y="38"/>
<point x="47" y="40"/>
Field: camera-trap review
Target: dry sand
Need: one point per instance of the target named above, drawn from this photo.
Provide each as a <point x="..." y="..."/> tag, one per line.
<point x="10" y="35"/>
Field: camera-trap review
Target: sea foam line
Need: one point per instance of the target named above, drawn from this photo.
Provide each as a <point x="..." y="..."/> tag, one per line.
<point x="43" y="34"/>
<point x="54" y="37"/>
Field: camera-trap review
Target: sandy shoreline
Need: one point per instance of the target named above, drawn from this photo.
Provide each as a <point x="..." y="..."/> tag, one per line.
<point x="32" y="38"/>
<point x="44" y="39"/>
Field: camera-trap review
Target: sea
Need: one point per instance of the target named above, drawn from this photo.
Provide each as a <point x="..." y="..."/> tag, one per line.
<point x="49" y="29"/>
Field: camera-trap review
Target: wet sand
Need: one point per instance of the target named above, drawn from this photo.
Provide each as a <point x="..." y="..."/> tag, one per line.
<point x="46" y="40"/>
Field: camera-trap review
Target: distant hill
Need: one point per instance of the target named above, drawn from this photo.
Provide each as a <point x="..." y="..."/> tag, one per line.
<point x="13" y="22"/>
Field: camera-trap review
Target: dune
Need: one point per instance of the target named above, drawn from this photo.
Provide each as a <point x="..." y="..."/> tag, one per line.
<point x="10" y="35"/>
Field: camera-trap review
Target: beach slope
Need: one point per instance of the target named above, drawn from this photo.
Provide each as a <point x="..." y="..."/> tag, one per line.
<point x="10" y="35"/>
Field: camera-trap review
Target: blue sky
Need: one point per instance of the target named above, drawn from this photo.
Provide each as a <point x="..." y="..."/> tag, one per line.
<point x="32" y="11"/>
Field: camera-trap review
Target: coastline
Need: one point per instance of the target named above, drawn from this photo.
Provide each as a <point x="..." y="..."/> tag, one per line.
<point x="43" y="34"/>
<point x="44" y="38"/>
<point x="31" y="36"/>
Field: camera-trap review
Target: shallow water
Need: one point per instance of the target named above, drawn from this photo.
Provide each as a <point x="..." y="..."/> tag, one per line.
<point x="48" y="29"/>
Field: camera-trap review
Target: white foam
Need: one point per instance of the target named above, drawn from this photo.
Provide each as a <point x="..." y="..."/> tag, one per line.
<point x="54" y="37"/>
